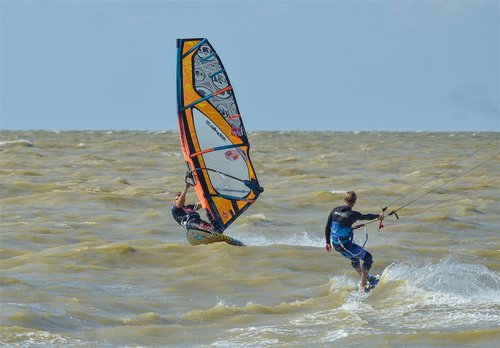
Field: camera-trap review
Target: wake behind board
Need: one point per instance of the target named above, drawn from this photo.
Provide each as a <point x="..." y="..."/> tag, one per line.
<point x="196" y="237"/>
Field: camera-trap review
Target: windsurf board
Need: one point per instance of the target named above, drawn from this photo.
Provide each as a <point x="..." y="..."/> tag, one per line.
<point x="196" y="237"/>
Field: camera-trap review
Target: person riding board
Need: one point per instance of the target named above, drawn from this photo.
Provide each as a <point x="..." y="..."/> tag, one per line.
<point x="339" y="233"/>
<point x="186" y="215"/>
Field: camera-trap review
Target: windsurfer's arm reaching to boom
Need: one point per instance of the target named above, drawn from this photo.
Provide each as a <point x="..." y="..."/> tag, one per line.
<point x="180" y="198"/>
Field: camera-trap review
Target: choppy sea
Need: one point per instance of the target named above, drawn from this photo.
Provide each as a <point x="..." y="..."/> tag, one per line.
<point x="90" y="254"/>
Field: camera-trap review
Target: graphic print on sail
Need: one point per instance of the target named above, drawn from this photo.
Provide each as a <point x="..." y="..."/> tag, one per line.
<point x="213" y="139"/>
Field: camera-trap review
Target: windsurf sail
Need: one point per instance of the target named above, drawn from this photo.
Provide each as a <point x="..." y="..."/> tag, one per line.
<point x="212" y="135"/>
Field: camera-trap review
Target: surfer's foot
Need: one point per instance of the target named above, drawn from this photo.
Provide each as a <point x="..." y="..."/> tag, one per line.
<point x="371" y="279"/>
<point x="365" y="288"/>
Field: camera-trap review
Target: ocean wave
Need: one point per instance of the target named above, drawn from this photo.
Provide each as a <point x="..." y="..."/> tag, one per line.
<point x="148" y="319"/>
<point x="13" y="143"/>
<point x="109" y="255"/>
<point x="221" y="310"/>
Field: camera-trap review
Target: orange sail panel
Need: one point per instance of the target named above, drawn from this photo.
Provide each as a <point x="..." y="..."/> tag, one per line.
<point x="212" y="135"/>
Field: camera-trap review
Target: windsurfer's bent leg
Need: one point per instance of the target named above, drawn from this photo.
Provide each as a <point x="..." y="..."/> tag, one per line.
<point x="200" y="225"/>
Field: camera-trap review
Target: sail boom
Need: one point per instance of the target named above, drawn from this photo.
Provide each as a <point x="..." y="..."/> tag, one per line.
<point x="232" y="146"/>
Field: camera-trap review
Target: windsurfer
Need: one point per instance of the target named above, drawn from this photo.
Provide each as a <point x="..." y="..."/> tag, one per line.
<point x="187" y="216"/>
<point x="339" y="232"/>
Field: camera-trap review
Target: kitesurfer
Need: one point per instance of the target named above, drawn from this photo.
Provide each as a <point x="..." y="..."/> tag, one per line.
<point x="187" y="216"/>
<point x="339" y="233"/>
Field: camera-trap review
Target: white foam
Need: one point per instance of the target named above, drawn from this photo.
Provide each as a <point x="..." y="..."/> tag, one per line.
<point x="470" y="282"/>
<point x="42" y="338"/>
<point x="335" y="335"/>
<point x="440" y="296"/>
<point x="21" y="142"/>
<point x="303" y="238"/>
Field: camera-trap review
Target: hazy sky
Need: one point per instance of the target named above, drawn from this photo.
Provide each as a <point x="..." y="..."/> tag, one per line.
<point x="294" y="65"/>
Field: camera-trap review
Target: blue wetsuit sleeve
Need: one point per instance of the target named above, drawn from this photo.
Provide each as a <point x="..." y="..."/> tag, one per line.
<point x="328" y="228"/>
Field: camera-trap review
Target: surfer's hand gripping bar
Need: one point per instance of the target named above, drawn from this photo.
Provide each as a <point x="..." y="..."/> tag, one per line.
<point x="381" y="218"/>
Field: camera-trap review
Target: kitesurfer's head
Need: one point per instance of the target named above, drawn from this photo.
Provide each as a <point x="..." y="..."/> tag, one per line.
<point x="350" y="198"/>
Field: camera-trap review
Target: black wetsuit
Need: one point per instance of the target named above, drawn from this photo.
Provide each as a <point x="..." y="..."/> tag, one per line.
<point x="188" y="218"/>
<point x="339" y="224"/>
<point x="345" y="217"/>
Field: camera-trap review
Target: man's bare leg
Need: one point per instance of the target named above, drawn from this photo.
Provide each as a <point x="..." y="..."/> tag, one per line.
<point x="363" y="275"/>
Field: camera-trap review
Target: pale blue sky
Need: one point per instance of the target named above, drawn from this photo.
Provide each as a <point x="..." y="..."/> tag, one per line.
<point x="294" y="65"/>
